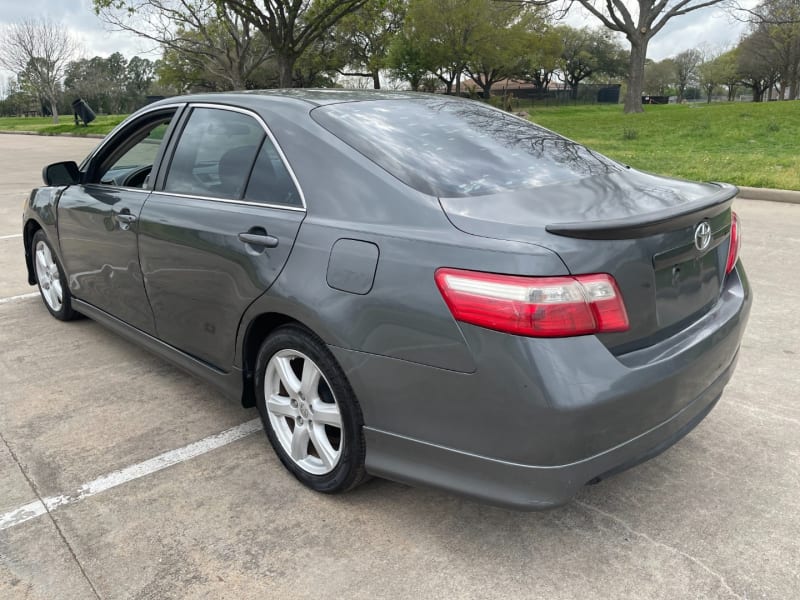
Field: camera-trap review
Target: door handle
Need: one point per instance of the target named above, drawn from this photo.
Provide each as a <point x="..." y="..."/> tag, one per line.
<point x="256" y="239"/>
<point x="125" y="217"/>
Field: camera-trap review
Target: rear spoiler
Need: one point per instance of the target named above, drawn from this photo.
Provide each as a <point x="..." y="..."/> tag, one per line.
<point x="678" y="217"/>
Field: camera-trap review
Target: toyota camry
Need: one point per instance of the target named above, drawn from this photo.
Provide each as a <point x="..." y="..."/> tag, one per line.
<point x="410" y="286"/>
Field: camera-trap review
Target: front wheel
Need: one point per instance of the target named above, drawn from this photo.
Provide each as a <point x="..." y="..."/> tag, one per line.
<point x="50" y="279"/>
<point x="310" y="414"/>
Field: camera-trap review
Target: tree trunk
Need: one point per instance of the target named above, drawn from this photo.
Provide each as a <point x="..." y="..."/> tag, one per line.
<point x="633" y="97"/>
<point x="458" y="83"/>
<point x="54" y="106"/>
<point x="236" y="81"/>
<point x="376" y="80"/>
<point x="448" y="83"/>
<point x="487" y="89"/>
<point x="285" y="70"/>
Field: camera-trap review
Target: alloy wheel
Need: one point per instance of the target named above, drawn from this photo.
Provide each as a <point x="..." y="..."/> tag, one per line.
<point x="48" y="276"/>
<point x="303" y="412"/>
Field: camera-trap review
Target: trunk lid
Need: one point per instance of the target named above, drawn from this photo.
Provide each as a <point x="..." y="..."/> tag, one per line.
<point x="637" y="227"/>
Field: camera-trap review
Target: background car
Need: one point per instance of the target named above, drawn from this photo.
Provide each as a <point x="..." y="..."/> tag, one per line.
<point x="412" y="286"/>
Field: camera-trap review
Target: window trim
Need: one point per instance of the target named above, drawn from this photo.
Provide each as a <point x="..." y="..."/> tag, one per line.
<point x="159" y="187"/>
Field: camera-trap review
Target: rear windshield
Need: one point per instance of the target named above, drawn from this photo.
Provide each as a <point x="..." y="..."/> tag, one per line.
<point x="455" y="148"/>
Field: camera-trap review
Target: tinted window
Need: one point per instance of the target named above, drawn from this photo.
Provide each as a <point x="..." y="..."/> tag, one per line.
<point x="215" y="154"/>
<point x="449" y="148"/>
<point x="270" y="182"/>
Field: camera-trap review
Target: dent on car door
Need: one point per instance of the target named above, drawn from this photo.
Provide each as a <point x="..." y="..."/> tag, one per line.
<point x="217" y="231"/>
<point x="97" y="221"/>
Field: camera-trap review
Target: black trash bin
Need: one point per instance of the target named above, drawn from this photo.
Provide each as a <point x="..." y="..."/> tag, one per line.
<point x="83" y="111"/>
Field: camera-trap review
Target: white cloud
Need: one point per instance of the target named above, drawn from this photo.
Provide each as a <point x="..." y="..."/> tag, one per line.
<point x="95" y="37"/>
<point x="712" y="28"/>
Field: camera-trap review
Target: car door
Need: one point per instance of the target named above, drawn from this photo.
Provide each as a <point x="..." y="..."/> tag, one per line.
<point x="97" y="220"/>
<point x="217" y="230"/>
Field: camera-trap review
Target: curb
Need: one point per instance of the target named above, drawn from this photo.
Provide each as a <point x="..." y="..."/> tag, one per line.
<point x="99" y="136"/>
<point x="749" y="193"/>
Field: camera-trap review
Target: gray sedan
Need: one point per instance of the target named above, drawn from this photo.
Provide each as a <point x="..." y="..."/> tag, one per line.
<point x="411" y="286"/>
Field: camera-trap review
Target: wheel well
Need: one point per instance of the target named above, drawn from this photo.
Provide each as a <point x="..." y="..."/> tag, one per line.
<point x="257" y="332"/>
<point x="31" y="227"/>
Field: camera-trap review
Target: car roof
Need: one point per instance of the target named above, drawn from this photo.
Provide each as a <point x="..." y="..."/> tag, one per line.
<point x="315" y="97"/>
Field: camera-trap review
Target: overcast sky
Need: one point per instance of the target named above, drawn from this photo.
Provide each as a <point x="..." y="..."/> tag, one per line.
<point x="709" y="27"/>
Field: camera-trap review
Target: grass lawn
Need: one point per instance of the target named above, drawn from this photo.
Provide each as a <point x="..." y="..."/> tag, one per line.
<point x="44" y="125"/>
<point x="743" y="143"/>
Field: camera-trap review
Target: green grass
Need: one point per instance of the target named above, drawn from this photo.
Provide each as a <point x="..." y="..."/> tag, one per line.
<point x="743" y="143"/>
<point x="44" y="125"/>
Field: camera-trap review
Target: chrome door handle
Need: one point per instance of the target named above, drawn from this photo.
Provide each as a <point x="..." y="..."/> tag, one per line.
<point x="255" y="239"/>
<point x="125" y="217"/>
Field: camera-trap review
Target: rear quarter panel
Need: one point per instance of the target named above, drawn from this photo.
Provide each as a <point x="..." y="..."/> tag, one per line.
<point x="350" y="197"/>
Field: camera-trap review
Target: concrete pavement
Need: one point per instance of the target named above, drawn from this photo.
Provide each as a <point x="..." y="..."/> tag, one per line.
<point x="716" y="516"/>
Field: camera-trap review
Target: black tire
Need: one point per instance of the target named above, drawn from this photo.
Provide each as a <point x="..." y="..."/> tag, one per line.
<point x="349" y="470"/>
<point x="65" y="312"/>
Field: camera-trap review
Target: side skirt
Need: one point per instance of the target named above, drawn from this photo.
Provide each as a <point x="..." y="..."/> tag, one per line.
<point x="229" y="383"/>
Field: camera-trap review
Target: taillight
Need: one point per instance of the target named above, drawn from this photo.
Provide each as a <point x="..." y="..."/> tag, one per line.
<point x="735" y="243"/>
<point x="534" y="306"/>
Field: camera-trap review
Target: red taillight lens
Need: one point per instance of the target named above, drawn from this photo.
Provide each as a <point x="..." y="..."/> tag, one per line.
<point x="735" y="243"/>
<point x="534" y="306"/>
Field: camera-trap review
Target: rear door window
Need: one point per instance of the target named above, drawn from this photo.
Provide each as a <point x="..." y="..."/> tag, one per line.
<point x="454" y="148"/>
<point x="270" y="181"/>
<point x="215" y="154"/>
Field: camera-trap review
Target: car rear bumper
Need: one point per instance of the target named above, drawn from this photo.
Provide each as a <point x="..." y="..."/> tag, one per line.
<point x="541" y="418"/>
<point x="520" y="486"/>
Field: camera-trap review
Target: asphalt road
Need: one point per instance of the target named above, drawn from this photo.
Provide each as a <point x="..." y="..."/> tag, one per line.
<point x="716" y="516"/>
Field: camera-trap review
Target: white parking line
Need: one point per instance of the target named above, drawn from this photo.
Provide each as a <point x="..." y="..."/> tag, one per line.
<point x="10" y="237"/>
<point x="18" y="298"/>
<point x="39" y="507"/>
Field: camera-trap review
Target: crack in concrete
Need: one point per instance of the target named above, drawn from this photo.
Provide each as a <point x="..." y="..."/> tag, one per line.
<point x="63" y="537"/>
<point x="689" y="557"/>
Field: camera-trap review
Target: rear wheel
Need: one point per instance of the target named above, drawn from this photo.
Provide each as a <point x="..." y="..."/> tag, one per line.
<point x="50" y="279"/>
<point x="310" y="414"/>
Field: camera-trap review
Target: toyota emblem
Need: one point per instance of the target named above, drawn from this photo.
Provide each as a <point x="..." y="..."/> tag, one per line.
<point x="702" y="236"/>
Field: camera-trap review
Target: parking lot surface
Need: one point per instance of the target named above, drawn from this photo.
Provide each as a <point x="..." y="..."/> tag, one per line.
<point x="716" y="516"/>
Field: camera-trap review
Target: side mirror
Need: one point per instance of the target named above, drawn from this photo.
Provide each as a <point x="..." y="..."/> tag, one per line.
<point x="61" y="173"/>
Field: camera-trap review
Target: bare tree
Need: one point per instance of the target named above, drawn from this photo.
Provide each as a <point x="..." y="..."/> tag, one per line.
<point x="639" y="21"/>
<point x="202" y="32"/>
<point x="292" y="26"/>
<point x="686" y="64"/>
<point x="42" y="50"/>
